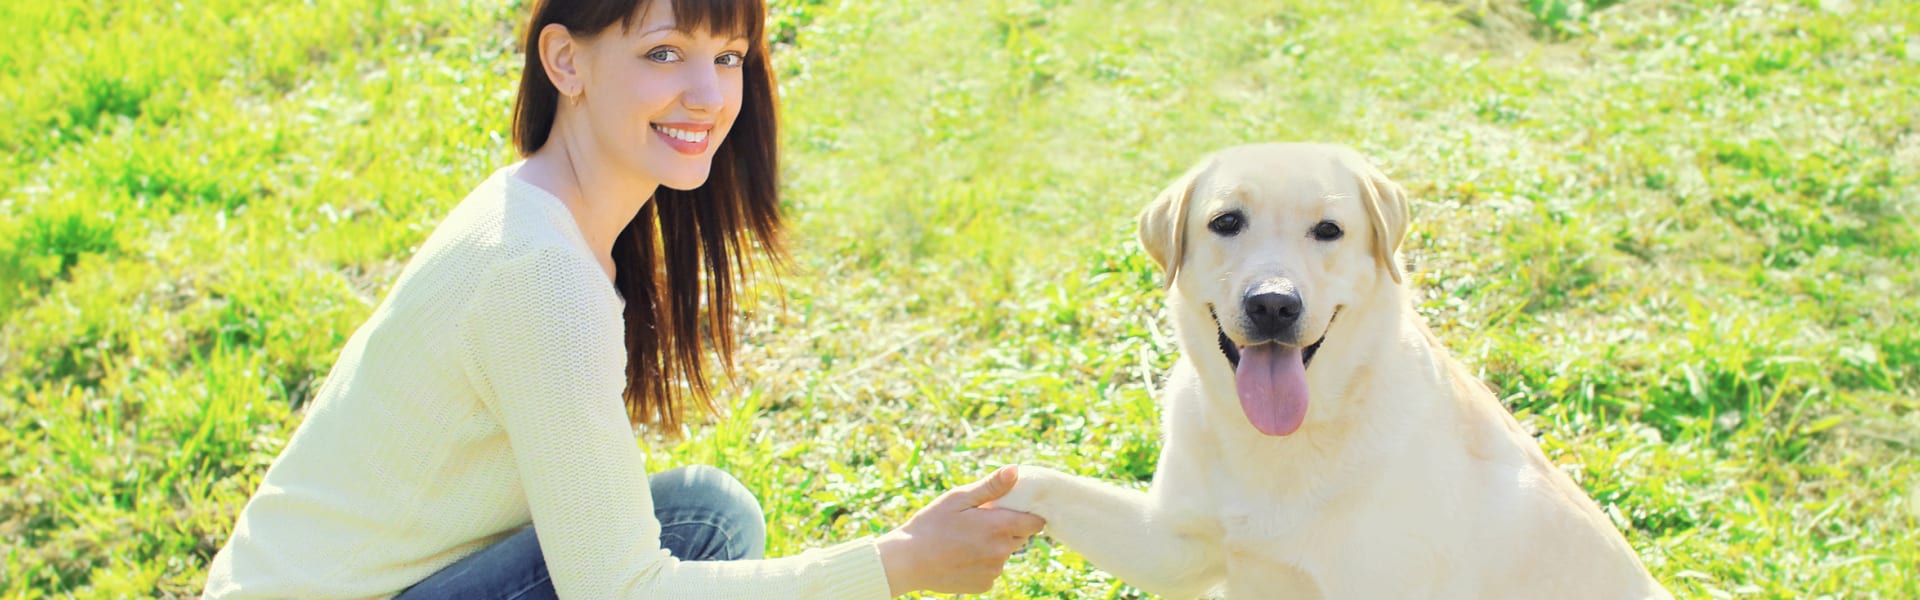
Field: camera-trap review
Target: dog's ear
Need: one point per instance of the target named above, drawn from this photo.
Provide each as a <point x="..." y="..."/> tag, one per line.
<point x="1163" y="225"/>
<point x="1386" y="204"/>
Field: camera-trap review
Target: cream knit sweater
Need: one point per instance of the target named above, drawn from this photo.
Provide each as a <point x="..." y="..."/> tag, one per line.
<point x="482" y="394"/>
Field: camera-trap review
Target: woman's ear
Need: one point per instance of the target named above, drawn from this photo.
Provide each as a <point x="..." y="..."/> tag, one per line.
<point x="560" y="57"/>
<point x="1163" y="223"/>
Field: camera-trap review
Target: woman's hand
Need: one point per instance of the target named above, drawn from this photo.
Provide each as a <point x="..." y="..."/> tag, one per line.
<point x="954" y="545"/>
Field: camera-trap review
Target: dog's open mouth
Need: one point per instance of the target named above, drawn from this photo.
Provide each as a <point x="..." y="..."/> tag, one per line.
<point x="1232" y="351"/>
<point x="1271" y="379"/>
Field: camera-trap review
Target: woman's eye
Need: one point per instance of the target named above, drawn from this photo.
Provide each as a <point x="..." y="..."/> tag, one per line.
<point x="730" y="59"/>
<point x="1227" y="223"/>
<point x="664" y="55"/>
<point x="1327" y="231"/>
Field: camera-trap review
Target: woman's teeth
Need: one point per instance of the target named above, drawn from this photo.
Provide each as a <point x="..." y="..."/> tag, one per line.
<point x="682" y="134"/>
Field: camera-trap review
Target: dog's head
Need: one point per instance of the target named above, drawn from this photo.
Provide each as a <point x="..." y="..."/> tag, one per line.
<point x="1272" y="241"/>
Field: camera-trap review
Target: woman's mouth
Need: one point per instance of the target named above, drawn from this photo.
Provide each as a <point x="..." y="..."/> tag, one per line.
<point x="685" y="138"/>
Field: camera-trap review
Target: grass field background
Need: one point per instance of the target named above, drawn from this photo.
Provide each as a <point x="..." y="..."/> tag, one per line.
<point x="1677" y="237"/>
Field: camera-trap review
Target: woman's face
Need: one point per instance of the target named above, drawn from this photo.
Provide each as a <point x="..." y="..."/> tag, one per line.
<point x="657" y="101"/>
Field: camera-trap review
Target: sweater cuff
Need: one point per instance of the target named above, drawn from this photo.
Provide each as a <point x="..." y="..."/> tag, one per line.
<point x="854" y="571"/>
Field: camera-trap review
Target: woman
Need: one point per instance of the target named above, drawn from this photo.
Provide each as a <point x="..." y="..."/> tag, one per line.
<point x="486" y="392"/>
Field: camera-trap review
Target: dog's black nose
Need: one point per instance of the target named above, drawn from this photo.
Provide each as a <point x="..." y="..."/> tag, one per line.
<point x="1273" y="309"/>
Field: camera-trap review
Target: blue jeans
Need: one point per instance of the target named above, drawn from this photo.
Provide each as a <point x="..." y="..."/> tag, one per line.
<point x="704" y="513"/>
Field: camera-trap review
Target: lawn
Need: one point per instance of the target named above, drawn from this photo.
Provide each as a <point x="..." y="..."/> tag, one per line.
<point x="1678" y="238"/>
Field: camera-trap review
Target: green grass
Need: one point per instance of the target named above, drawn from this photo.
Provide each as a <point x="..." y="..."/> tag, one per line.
<point x="1679" y="238"/>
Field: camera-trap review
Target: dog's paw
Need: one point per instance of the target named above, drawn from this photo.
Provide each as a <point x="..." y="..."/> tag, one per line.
<point x="1027" y="489"/>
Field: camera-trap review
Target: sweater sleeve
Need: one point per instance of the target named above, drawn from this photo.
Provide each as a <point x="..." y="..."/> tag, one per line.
<point x="545" y="350"/>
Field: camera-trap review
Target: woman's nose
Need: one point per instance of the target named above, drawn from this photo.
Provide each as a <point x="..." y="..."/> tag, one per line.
<point x="703" y="90"/>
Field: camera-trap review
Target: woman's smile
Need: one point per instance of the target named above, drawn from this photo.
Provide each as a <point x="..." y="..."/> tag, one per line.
<point x="685" y="138"/>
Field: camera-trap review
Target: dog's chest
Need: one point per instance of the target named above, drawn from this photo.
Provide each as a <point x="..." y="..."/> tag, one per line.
<point x="1250" y="524"/>
<point x="1261" y="563"/>
<point x="1274" y="545"/>
<point x="1344" y="534"/>
<point x="1324" y="553"/>
<point x="1258" y="515"/>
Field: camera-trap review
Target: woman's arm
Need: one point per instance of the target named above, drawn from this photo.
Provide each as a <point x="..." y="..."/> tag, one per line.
<point x="543" y="344"/>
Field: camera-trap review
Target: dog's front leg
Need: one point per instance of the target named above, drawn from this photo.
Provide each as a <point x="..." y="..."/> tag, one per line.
<point x="1122" y="531"/>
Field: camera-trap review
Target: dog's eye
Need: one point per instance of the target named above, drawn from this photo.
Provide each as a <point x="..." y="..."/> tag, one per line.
<point x="1327" y="231"/>
<point x="1228" y="223"/>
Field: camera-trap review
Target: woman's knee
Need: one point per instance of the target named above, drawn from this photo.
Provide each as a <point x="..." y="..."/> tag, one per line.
<point x="707" y="514"/>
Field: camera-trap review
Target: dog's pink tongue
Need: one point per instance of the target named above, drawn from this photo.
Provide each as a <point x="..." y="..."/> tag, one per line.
<point x="1272" y="381"/>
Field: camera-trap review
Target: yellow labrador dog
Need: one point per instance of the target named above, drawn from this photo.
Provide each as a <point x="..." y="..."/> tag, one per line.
<point x="1320" y="443"/>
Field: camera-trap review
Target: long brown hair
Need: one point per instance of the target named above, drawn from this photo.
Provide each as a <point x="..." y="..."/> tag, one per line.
<point x="679" y="261"/>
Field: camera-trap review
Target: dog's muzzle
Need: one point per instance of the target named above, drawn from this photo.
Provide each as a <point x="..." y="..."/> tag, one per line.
<point x="1232" y="351"/>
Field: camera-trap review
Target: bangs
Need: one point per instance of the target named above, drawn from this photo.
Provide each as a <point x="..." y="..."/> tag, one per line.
<point x="735" y="18"/>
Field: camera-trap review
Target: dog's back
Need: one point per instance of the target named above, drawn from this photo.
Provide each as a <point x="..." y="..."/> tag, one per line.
<point x="1563" y="544"/>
